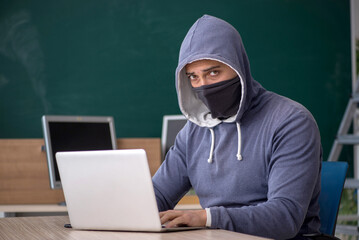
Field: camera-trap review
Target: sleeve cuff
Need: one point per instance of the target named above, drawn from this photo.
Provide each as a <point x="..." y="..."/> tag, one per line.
<point x="209" y="217"/>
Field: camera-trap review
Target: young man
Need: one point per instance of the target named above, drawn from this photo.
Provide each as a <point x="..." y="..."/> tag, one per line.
<point x="253" y="157"/>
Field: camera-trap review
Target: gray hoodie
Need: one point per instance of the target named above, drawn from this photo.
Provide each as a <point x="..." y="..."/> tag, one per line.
<point x="257" y="172"/>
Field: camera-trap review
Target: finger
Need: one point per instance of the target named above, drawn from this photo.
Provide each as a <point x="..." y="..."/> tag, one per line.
<point x="162" y="213"/>
<point x="169" y="216"/>
<point x="166" y="212"/>
<point x="189" y="218"/>
<point x="178" y="221"/>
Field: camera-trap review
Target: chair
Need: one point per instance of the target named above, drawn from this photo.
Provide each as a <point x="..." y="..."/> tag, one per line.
<point x="332" y="183"/>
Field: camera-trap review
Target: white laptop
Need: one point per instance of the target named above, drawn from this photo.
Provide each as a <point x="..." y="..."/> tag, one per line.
<point x="110" y="190"/>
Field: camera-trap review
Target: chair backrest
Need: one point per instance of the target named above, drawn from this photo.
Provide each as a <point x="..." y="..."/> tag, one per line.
<point x="332" y="183"/>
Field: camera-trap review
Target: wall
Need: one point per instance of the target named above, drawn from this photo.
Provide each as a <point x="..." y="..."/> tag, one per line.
<point x="118" y="58"/>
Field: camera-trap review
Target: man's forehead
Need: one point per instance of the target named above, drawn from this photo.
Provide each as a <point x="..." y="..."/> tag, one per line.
<point x="204" y="63"/>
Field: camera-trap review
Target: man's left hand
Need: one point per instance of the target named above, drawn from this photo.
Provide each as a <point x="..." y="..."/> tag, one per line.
<point x="191" y="218"/>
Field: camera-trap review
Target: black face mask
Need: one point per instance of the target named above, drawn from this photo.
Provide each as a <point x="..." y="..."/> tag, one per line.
<point x="221" y="98"/>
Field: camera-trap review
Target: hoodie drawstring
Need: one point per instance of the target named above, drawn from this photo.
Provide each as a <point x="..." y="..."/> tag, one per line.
<point x="210" y="159"/>
<point x="239" y="155"/>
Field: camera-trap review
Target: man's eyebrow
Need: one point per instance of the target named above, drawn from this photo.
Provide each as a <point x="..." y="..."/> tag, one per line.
<point x="210" y="68"/>
<point x="204" y="70"/>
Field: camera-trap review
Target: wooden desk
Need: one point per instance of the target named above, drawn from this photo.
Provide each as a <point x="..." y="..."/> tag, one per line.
<point x="53" y="228"/>
<point x="21" y="210"/>
<point x="12" y="210"/>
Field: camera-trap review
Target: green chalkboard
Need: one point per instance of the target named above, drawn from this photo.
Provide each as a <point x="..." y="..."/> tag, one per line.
<point x="90" y="57"/>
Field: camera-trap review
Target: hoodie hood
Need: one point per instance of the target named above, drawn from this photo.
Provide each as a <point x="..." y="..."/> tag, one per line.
<point x="214" y="39"/>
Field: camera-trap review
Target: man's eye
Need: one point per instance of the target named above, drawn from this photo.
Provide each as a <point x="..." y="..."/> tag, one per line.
<point x="213" y="73"/>
<point x="192" y="77"/>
